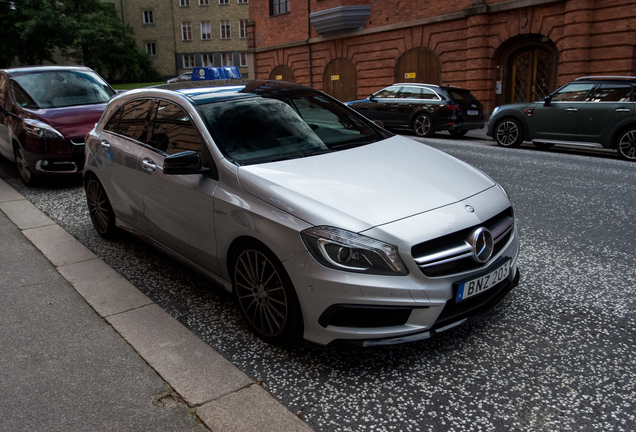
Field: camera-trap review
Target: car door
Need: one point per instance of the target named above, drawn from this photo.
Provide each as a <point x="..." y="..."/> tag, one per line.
<point x="120" y="143"/>
<point x="412" y="99"/>
<point x="607" y="105"/>
<point x="558" y="120"/>
<point x="179" y="209"/>
<point x="382" y="106"/>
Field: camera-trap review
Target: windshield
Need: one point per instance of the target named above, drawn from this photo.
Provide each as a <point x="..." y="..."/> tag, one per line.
<point x="257" y="129"/>
<point x="57" y="89"/>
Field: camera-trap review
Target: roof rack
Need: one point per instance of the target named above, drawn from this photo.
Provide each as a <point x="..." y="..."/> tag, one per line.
<point x="607" y="77"/>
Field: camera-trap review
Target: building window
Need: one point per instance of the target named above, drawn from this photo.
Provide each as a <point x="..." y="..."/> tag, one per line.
<point x="227" y="59"/>
<point x="206" y="30"/>
<point x="224" y="2"/>
<point x="242" y="29"/>
<point x="207" y="60"/>
<point x="186" y="31"/>
<point x="278" y="7"/>
<point x="151" y="49"/>
<point x="243" y="59"/>
<point x="204" y="2"/>
<point x="148" y="17"/>
<point x="188" y="61"/>
<point x="184" y="3"/>
<point x="226" y="30"/>
<point x="242" y="1"/>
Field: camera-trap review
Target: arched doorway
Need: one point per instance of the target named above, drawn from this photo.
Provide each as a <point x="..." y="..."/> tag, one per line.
<point x="340" y="80"/>
<point x="419" y="65"/>
<point x="526" y="69"/>
<point x="282" y="73"/>
<point x="532" y="75"/>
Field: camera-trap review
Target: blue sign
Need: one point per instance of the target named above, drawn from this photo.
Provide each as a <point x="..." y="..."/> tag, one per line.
<point x="215" y="73"/>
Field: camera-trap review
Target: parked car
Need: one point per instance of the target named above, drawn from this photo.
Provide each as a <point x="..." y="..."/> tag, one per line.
<point x="424" y="109"/>
<point x="45" y="114"/>
<point x="181" y="78"/>
<point x="596" y="111"/>
<point x="322" y="224"/>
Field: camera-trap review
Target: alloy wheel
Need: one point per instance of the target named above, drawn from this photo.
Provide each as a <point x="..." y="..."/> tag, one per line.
<point x="508" y="133"/>
<point x="99" y="208"/>
<point x="627" y="145"/>
<point x="261" y="293"/>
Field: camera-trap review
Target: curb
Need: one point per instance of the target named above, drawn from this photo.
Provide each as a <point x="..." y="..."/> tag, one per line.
<point x="222" y="396"/>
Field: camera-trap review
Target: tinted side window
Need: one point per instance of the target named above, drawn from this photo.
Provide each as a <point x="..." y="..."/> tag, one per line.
<point x="572" y="93"/>
<point x="133" y="119"/>
<point x="410" y="93"/>
<point x="388" y="93"/>
<point x="174" y="132"/>
<point x="611" y="93"/>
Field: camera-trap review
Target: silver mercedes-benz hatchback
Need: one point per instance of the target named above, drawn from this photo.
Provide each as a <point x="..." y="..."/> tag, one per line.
<point x="322" y="224"/>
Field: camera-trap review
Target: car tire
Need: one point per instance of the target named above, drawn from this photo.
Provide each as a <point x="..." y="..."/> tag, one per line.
<point x="265" y="294"/>
<point x="27" y="176"/>
<point x="508" y="133"/>
<point x="99" y="208"/>
<point x="626" y="144"/>
<point x="457" y="133"/>
<point x="423" y="125"/>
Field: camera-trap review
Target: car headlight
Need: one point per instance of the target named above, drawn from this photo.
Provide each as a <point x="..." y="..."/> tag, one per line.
<point x="494" y="111"/>
<point x="41" y="129"/>
<point x="344" y="250"/>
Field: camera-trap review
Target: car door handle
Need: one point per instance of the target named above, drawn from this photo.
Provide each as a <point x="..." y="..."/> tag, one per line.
<point x="571" y="110"/>
<point x="622" y="110"/>
<point x="149" y="165"/>
<point x="105" y="144"/>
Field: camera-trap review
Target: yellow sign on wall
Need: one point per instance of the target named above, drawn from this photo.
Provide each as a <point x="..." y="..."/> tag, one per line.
<point x="279" y="77"/>
<point x="335" y="77"/>
<point x="409" y="75"/>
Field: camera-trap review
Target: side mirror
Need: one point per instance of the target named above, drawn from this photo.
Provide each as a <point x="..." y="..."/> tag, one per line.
<point x="187" y="162"/>
<point x="372" y="98"/>
<point x="547" y="100"/>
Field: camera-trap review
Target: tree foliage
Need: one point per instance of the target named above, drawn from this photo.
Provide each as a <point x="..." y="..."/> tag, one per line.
<point x="87" y="32"/>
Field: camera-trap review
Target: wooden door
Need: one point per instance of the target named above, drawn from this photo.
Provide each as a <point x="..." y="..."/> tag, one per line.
<point x="418" y="65"/>
<point x="340" y="80"/>
<point x="532" y="72"/>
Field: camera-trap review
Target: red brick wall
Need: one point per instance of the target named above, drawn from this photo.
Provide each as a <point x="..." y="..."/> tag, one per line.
<point x="591" y="37"/>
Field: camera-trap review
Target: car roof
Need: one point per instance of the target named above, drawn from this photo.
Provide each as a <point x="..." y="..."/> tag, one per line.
<point x="606" y="78"/>
<point x="435" y="86"/>
<point x="33" y="69"/>
<point x="203" y="92"/>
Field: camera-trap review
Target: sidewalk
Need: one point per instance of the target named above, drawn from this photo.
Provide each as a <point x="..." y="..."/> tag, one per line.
<point x="83" y="349"/>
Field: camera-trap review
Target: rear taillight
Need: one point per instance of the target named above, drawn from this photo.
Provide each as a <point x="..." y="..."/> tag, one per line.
<point x="452" y="107"/>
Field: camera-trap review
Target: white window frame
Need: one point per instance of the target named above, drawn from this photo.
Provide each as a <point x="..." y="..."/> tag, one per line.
<point x="225" y="27"/>
<point x="242" y="1"/>
<point x="206" y="30"/>
<point x="207" y="60"/>
<point x="148" y="17"/>
<point x="184" y="3"/>
<point x="227" y="59"/>
<point x="186" y="31"/>
<point x="151" y="48"/>
<point x="204" y="2"/>
<point x="189" y="61"/>
<point x="243" y="59"/>
<point x="224" y="2"/>
<point x="243" y="29"/>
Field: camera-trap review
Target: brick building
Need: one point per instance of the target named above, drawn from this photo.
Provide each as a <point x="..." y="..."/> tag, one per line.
<point x="182" y="34"/>
<point x="502" y="50"/>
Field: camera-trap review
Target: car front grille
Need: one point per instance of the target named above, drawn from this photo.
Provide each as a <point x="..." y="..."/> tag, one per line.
<point x="453" y="253"/>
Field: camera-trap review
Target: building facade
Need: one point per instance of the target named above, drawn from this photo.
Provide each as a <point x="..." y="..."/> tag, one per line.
<point x="502" y="50"/>
<point x="181" y="34"/>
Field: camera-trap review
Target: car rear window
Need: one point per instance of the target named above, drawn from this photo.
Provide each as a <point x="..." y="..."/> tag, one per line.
<point x="462" y="96"/>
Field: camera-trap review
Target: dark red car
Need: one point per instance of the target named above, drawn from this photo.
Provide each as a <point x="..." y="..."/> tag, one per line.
<point x="45" y="114"/>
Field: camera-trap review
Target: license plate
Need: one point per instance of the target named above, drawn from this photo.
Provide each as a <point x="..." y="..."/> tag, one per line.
<point x="484" y="283"/>
<point x="472" y="112"/>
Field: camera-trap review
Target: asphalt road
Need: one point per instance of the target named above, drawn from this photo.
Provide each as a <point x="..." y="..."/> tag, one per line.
<point x="557" y="355"/>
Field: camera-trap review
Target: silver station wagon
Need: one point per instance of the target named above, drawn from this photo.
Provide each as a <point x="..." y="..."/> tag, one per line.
<point x="322" y="224"/>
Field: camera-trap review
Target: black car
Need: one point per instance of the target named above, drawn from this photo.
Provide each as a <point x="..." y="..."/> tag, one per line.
<point x="423" y="108"/>
<point x="598" y="111"/>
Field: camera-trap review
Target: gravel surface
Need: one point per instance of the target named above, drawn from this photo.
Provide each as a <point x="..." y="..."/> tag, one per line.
<point x="556" y="355"/>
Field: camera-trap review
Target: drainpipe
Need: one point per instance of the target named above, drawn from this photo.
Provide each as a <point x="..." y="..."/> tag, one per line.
<point x="307" y="40"/>
<point x="174" y="42"/>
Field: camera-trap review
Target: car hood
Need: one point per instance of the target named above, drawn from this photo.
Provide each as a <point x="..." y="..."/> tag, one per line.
<point x="363" y="187"/>
<point x="75" y="121"/>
